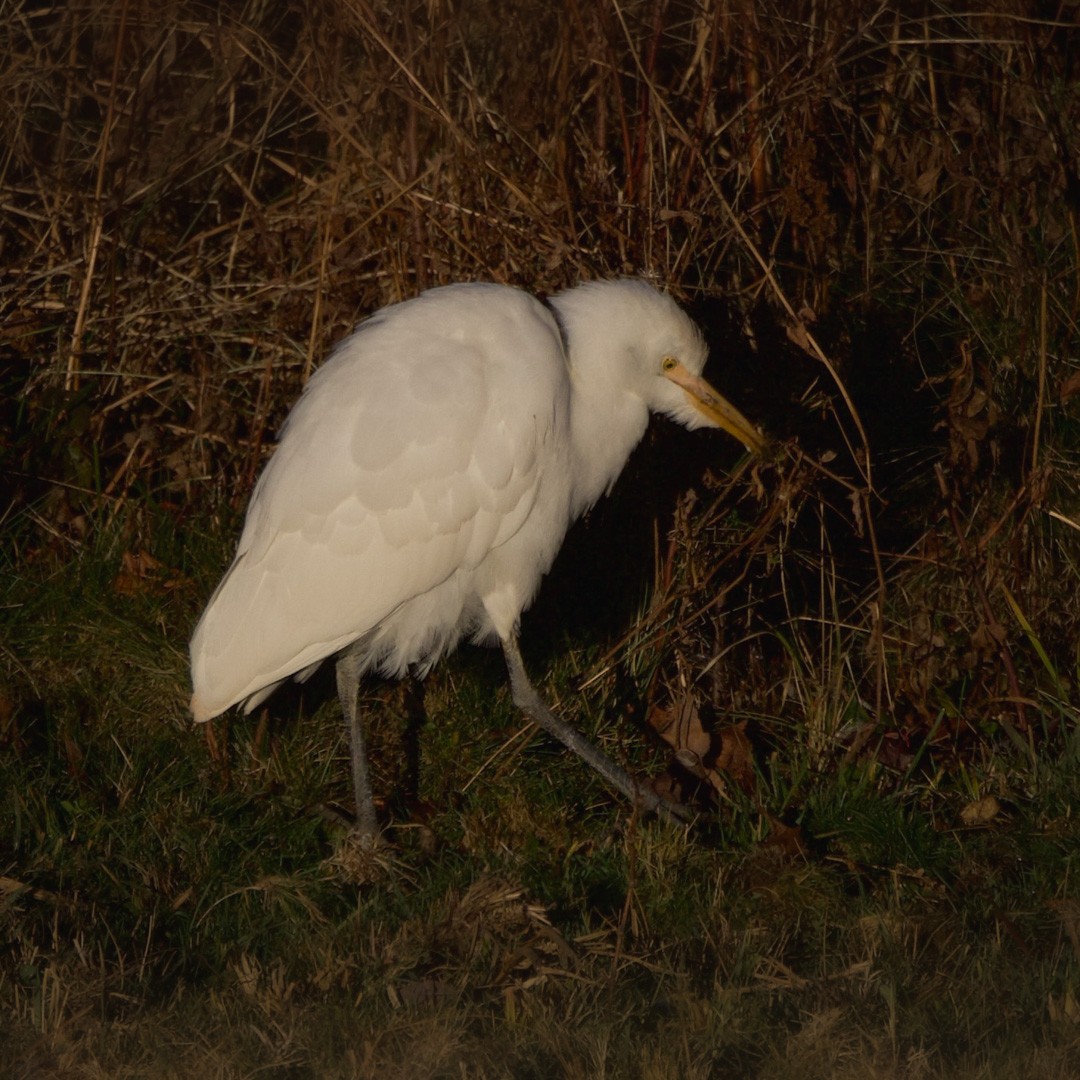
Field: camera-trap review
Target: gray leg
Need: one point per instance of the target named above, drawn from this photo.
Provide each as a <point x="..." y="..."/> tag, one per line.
<point x="348" y="688"/>
<point x="529" y="702"/>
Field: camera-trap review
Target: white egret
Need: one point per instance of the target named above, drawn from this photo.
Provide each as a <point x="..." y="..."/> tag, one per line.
<point x="423" y="485"/>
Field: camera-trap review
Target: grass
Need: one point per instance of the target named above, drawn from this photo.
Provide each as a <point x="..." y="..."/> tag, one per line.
<point x="869" y="640"/>
<point x="169" y="913"/>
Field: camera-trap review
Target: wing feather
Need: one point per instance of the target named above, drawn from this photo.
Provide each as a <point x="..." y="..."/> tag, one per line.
<point x="412" y="453"/>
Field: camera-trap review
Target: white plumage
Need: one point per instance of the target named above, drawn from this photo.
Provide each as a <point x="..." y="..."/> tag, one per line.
<point x="425" y="480"/>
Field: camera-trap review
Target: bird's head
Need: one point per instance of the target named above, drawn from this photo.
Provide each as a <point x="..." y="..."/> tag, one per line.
<point x="660" y="354"/>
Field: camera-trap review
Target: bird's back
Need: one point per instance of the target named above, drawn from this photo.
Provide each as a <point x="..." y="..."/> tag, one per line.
<point x="421" y="475"/>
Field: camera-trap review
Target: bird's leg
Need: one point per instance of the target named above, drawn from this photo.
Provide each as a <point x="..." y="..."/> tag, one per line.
<point x="348" y="688"/>
<point x="529" y="701"/>
<point x="416" y="717"/>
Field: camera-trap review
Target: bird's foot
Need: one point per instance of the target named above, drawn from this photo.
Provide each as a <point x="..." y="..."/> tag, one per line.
<point x="667" y="809"/>
<point x="363" y="857"/>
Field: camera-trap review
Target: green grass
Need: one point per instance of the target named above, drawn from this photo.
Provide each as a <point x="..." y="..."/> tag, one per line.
<point x="167" y="913"/>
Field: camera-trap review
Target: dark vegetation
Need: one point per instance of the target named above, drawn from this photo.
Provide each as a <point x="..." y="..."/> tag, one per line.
<point x="859" y="657"/>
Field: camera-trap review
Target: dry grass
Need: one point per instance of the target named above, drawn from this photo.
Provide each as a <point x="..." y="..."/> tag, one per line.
<point x="873" y="211"/>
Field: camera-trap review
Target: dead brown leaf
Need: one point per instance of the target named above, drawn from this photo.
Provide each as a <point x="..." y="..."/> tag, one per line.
<point x="736" y="756"/>
<point x="140" y="573"/>
<point x="787" y="841"/>
<point x="716" y="758"/>
<point x="980" y="811"/>
<point x="679" y="725"/>
<point x="1070" y="387"/>
<point x="972" y="412"/>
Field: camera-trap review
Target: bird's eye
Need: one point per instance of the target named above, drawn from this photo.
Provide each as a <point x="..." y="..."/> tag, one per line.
<point x="669" y="363"/>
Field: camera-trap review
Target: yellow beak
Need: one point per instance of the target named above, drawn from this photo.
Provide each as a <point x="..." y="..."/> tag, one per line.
<point x="720" y="412"/>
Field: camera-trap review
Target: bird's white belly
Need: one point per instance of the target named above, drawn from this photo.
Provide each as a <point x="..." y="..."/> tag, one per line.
<point x="483" y="602"/>
<point x="422" y="630"/>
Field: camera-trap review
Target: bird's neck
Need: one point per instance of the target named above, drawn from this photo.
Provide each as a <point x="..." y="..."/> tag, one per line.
<point x="606" y="423"/>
